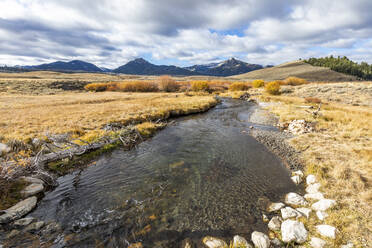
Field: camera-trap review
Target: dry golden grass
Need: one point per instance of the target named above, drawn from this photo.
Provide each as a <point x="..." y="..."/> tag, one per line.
<point x="340" y="155"/>
<point x="23" y="117"/>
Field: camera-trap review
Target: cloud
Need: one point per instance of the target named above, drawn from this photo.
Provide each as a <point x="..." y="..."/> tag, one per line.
<point x="111" y="32"/>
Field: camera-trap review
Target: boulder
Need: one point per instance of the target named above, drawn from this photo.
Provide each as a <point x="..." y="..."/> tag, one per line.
<point x="275" y="206"/>
<point x="313" y="188"/>
<point x="289" y="212"/>
<point x="348" y="245"/>
<point x="275" y="223"/>
<point x="295" y="199"/>
<point x="239" y="241"/>
<point x="32" y="180"/>
<point x="293" y="231"/>
<point x="19" y="210"/>
<point x="35" y="227"/>
<point x="323" y="204"/>
<point x="304" y="211"/>
<point x="4" y="149"/>
<point x="260" y="240"/>
<point x="317" y="242"/>
<point x="310" y="179"/>
<point x="327" y="231"/>
<point x="321" y="215"/>
<point x="212" y="242"/>
<point x="296" y="179"/>
<point x="23" y="222"/>
<point x="314" y="196"/>
<point x="32" y="189"/>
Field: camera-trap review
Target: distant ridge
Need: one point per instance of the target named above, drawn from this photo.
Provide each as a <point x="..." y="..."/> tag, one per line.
<point x="143" y="67"/>
<point x="297" y="69"/>
<point x="225" y="68"/>
<point x="74" y="65"/>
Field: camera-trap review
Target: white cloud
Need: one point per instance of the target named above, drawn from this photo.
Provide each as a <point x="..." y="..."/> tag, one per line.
<point x="109" y="33"/>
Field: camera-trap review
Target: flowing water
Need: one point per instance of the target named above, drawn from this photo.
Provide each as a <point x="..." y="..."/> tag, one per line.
<point x="204" y="175"/>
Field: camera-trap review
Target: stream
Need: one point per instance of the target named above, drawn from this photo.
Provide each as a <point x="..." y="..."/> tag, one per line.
<point x="203" y="175"/>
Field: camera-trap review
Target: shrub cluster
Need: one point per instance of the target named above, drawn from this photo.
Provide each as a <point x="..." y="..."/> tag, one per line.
<point x="295" y="81"/>
<point x="167" y="84"/>
<point x="96" y="87"/>
<point x="273" y="88"/>
<point x="199" y="86"/>
<point x="238" y="86"/>
<point x="258" y="83"/>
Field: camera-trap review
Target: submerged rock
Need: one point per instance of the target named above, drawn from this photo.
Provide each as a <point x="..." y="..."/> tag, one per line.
<point x="293" y="231"/>
<point x="260" y="240"/>
<point x="323" y="204"/>
<point x="212" y="242"/>
<point x="32" y="180"/>
<point x="19" y="210"/>
<point x="13" y="233"/>
<point x="32" y="189"/>
<point x="23" y="222"/>
<point x="295" y="199"/>
<point x="34" y="227"/>
<point x="275" y="206"/>
<point x="317" y="243"/>
<point x="275" y="223"/>
<point x="239" y="241"/>
<point x="327" y="231"/>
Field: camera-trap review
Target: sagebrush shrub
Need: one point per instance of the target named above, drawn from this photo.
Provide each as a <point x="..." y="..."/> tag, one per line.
<point x="295" y="81"/>
<point x="167" y="84"/>
<point x="273" y="88"/>
<point x="238" y="86"/>
<point x="199" y="86"/>
<point x="258" y="83"/>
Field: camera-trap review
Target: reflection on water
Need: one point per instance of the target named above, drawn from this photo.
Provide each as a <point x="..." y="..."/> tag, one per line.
<point x="203" y="175"/>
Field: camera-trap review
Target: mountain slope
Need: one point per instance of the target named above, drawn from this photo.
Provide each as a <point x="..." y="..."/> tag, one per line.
<point x="142" y="67"/>
<point x="226" y="68"/>
<point x="297" y="69"/>
<point x="74" y="65"/>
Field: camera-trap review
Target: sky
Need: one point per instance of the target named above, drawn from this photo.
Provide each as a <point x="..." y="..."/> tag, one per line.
<point x="110" y="33"/>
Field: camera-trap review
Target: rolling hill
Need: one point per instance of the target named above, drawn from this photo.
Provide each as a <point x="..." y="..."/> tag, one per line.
<point x="297" y="69"/>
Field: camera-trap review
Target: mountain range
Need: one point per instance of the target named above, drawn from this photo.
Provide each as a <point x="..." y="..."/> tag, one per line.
<point x="140" y="66"/>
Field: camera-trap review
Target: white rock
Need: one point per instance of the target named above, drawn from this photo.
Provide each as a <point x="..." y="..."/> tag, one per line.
<point x="295" y="199"/>
<point x="323" y="205"/>
<point x="23" y="222"/>
<point x="321" y="215"/>
<point x="293" y="231"/>
<point x="314" y="196"/>
<point x="313" y="188"/>
<point x="239" y="241"/>
<point x="32" y="189"/>
<point x="299" y="173"/>
<point x="275" y="223"/>
<point x="260" y="240"/>
<point x="275" y="206"/>
<point x="4" y="149"/>
<point x="212" y="242"/>
<point x="327" y="231"/>
<point x="17" y="211"/>
<point x="296" y="179"/>
<point x="304" y="211"/>
<point x="32" y="180"/>
<point x="265" y="218"/>
<point x="348" y="245"/>
<point x="289" y="212"/>
<point x="317" y="243"/>
<point x="310" y="179"/>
